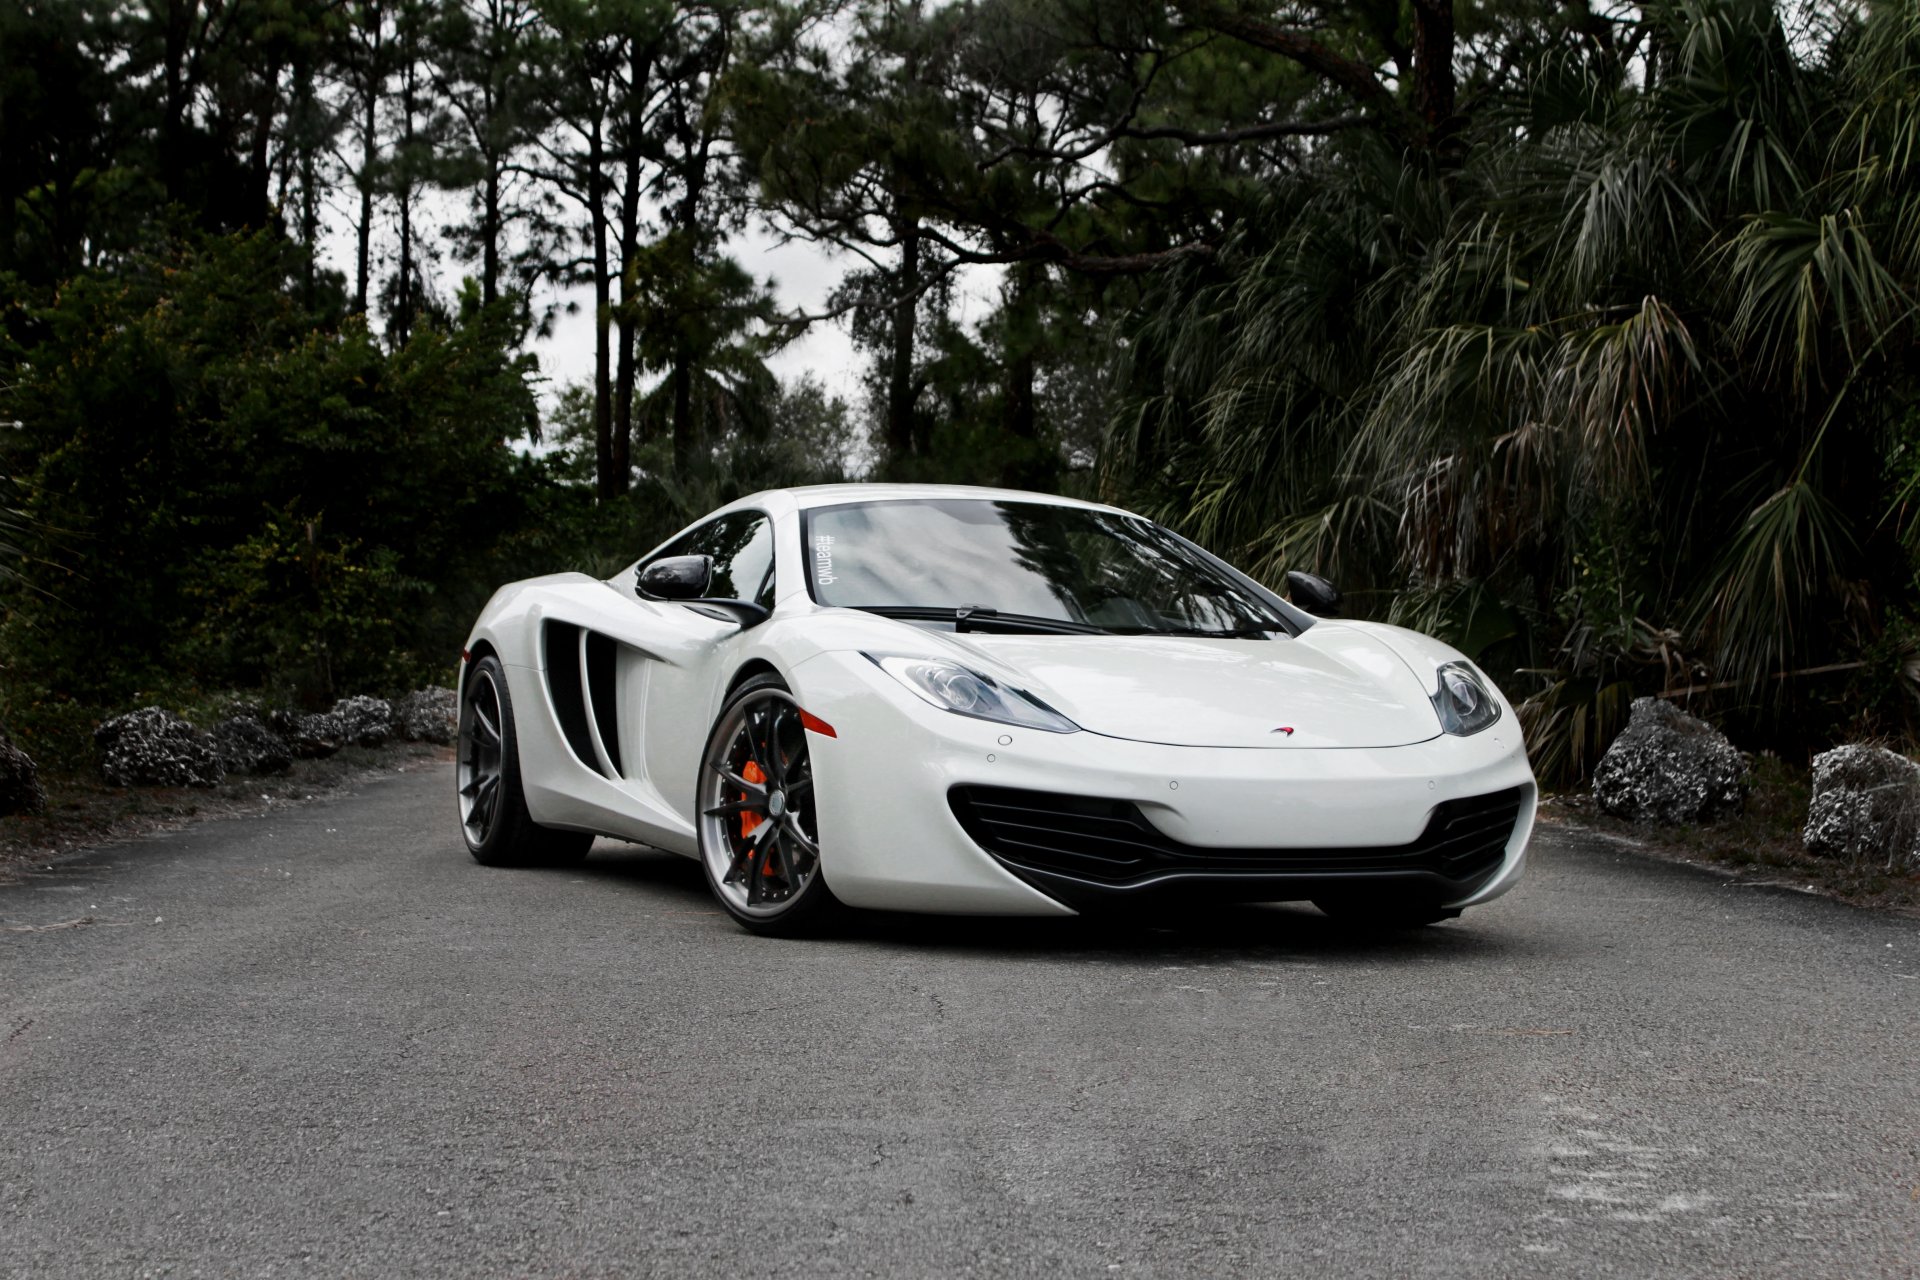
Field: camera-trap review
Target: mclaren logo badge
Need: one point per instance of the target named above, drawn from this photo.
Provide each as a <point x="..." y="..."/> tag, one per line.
<point x="1286" y="729"/>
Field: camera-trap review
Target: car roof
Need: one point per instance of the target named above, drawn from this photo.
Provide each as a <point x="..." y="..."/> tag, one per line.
<point x="806" y="497"/>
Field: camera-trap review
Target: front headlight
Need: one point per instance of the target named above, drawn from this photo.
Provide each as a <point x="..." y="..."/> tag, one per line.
<point x="952" y="687"/>
<point x="1463" y="701"/>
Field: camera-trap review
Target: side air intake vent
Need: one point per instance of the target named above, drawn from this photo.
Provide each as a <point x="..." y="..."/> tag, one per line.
<point x="583" y="670"/>
<point x="568" y="691"/>
<point x="604" y="701"/>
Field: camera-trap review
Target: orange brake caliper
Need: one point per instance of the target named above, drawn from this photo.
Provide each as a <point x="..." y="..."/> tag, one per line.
<point x="748" y="821"/>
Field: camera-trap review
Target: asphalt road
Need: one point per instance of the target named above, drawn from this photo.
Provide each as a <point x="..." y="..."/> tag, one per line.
<point x="324" y="1042"/>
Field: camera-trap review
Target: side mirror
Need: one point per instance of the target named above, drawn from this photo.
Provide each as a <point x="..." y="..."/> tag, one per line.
<point x="676" y="578"/>
<point x="688" y="579"/>
<point x="1313" y="593"/>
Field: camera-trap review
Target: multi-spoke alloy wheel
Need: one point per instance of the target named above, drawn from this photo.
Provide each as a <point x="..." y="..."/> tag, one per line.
<point x="759" y="838"/>
<point x="481" y="749"/>
<point x="493" y="805"/>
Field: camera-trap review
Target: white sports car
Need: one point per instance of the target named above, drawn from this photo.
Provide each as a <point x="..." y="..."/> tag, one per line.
<point x="932" y="698"/>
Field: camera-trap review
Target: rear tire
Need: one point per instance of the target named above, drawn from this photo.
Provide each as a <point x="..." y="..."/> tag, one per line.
<point x="1384" y="916"/>
<point x="493" y="804"/>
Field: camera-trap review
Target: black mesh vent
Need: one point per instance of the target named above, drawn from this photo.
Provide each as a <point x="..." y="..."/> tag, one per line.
<point x="1109" y="842"/>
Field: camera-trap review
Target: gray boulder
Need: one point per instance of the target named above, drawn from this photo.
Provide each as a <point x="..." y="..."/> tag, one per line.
<point x="247" y="745"/>
<point x="20" y="789"/>
<point x="1668" y="767"/>
<point x="428" y="715"/>
<point x="1865" y="807"/>
<point x="244" y="709"/>
<point x="152" y="747"/>
<point x="367" y="722"/>
<point x="310" y="736"/>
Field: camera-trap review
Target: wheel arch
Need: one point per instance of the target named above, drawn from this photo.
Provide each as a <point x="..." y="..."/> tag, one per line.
<point x="470" y="657"/>
<point x="748" y="670"/>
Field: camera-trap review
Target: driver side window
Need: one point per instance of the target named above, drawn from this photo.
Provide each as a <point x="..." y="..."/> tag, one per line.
<point x="741" y="545"/>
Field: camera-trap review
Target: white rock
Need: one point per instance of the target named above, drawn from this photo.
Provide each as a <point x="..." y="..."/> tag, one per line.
<point x="247" y="745"/>
<point x="1669" y="767"/>
<point x="152" y="747"/>
<point x="20" y="789"/>
<point x="428" y="715"/>
<point x="366" y="722"/>
<point x="1865" y="807"/>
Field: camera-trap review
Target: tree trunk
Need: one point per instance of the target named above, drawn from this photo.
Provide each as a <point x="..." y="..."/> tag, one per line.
<point x="685" y="429"/>
<point x="259" y="203"/>
<point x="490" y="234"/>
<point x="400" y="324"/>
<point x="639" y="75"/>
<point x="1433" y="80"/>
<point x="369" y="153"/>
<point x="606" y="473"/>
<point x="173" y="114"/>
<point x="1023" y="340"/>
<point x="683" y="424"/>
<point x="906" y="308"/>
<point x="10" y="184"/>
<point x="309" y="186"/>
<point x="626" y="375"/>
<point x="363" y="234"/>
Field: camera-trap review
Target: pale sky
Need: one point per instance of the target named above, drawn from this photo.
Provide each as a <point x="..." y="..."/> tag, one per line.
<point x="803" y="276"/>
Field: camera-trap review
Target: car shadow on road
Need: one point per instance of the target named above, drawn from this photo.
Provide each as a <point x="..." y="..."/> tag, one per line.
<point x="1251" y="931"/>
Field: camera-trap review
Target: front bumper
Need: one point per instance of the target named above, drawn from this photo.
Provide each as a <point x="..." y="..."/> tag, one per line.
<point x="892" y="838"/>
<point x="1093" y="853"/>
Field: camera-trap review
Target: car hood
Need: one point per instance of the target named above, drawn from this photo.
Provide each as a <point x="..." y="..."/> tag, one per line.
<point x="1332" y="686"/>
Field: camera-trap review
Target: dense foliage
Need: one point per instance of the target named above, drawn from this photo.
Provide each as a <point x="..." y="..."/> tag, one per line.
<point x="1624" y="396"/>
<point x="1582" y="333"/>
<point x="275" y="485"/>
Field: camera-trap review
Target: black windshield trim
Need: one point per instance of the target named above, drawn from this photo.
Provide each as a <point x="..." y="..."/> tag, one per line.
<point x="1296" y="619"/>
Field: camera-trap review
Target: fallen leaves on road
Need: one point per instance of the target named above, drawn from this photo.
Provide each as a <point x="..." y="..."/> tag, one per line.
<point x="63" y="924"/>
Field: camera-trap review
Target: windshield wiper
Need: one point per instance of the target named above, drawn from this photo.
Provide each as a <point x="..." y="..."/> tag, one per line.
<point x="973" y="617"/>
<point x="1251" y="632"/>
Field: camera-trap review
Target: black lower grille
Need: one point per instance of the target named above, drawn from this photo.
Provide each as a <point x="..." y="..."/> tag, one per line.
<point x="1109" y="844"/>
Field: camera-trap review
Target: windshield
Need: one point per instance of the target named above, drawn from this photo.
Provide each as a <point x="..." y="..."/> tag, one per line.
<point x="1094" y="569"/>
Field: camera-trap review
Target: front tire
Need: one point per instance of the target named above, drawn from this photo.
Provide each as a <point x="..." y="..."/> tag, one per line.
<point x="493" y="804"/>
<point x="759" y="836"/>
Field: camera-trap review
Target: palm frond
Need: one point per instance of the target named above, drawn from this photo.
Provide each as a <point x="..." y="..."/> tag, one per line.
<point x="1770" y="593"/>
<point x="1569" y="724"/>
<point x="1876" y="149"/>
<point x="1800" y="284"/>
<point x="1613" y="385"/>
